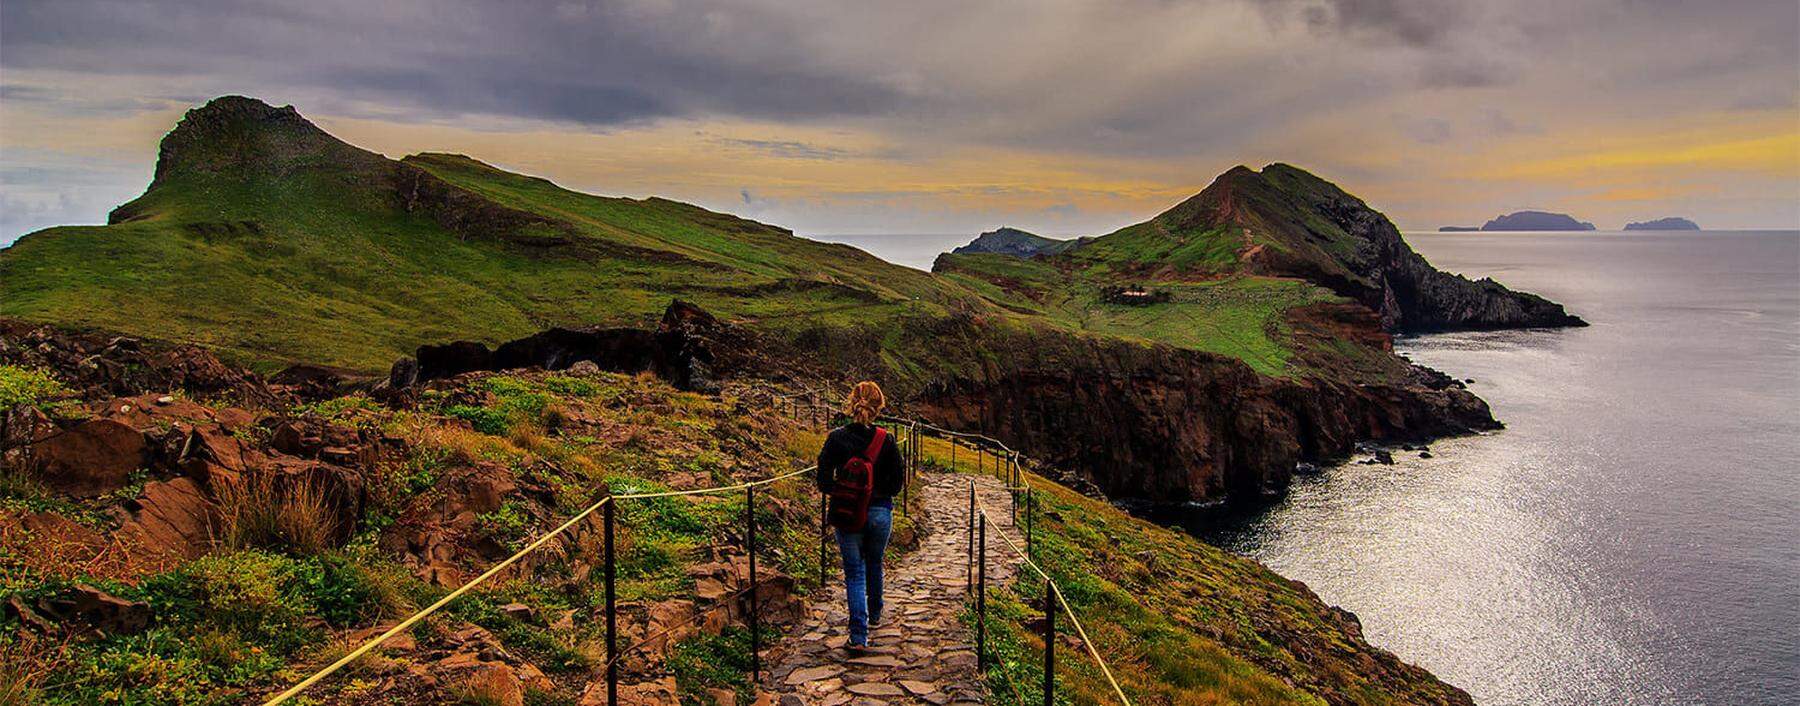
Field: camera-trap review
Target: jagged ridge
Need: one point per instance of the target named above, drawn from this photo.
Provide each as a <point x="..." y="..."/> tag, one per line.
<point x="1284" y="221"/>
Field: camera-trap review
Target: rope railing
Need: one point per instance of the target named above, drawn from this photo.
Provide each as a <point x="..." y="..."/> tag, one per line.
<point x="607" y="503"/>
<point x="1015" y="482"/>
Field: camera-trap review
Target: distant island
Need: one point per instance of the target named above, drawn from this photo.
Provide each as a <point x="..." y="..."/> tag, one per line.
<point x="1670" y="223"/>
<point x="1458" y="229"/>
<point x="1536" y="220"/>
<point x="1017" y="243"/>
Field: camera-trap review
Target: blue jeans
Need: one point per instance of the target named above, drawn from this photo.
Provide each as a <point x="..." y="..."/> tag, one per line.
<point x="862" y="570"/>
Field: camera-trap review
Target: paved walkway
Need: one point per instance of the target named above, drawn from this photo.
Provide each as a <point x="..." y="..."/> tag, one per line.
<point x="922" y="653"/>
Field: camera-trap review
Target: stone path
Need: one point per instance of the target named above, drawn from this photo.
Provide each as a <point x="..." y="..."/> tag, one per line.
<point x="922" y="652"/>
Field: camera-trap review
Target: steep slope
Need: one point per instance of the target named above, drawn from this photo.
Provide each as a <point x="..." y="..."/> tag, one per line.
<point x="1284" y="221"/>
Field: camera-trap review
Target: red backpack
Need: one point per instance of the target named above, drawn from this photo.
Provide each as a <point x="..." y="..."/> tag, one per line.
<point x="855" y="486"/>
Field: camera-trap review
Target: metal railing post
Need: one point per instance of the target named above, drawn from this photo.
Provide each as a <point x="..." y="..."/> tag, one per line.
<point x="981" y="600"/>
<point x="969" y="571"/>
<point x="612" y="620"/>
<point x="755" y="605"/>
<point x="1049" y="643"/>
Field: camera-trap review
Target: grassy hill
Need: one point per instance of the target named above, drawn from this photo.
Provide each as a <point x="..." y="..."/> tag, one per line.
<point x="1282" y="222"/>
<point x="274" y="242"/>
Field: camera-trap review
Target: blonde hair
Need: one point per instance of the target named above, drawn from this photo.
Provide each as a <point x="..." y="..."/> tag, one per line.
<point x="865" y="402"/>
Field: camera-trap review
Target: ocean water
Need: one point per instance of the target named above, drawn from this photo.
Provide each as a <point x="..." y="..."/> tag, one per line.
<point x="1633" y="535"/>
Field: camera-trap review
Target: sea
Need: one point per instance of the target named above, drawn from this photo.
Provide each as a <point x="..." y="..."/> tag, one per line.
<point x="1633" y="535"/>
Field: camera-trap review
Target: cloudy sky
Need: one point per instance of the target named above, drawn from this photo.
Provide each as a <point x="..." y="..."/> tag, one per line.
<point x="1066" y="117"/>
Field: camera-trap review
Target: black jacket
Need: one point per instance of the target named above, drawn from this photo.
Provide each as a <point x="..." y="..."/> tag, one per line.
<point x="852" y="440"/>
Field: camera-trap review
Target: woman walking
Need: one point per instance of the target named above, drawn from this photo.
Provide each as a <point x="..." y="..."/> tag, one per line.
<point x="862" y="470"/>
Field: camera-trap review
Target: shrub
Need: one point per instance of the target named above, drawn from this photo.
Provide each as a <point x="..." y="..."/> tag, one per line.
<point x="714" y="662"/>
<point x="341" y="591"/>
<point x="258" y="513"/>
<point x="19" y="385"/>
<point x="507" y="524"/>
<point x="571" y="386"/>
<point x="251" y="593"/>
<point x="483" y="419"/>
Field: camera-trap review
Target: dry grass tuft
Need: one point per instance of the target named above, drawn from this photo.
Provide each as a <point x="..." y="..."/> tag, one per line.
<point x="489" y="687"/>
<point x="258" y="512"/>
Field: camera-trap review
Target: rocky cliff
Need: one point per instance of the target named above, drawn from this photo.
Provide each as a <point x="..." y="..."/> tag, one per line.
<point x="1293" y="223"/>
<point x="1170" y="425"/>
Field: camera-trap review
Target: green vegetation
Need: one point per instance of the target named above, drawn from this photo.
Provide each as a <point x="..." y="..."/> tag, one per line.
<point x="223" y="623"/>
<point x="28" y="386"/>
<point x="720" y="661"/>
<point x="1177" y="620"/>
<point x="300" y="248"/>
<point x="266" y="610"/>
<point x="1242" y="317"/>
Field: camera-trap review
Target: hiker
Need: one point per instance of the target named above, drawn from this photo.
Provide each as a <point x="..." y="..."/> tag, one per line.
<point x="860" y="469"/>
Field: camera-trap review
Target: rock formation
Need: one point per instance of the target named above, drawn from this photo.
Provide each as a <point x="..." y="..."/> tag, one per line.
<point x="1320" y="233"/>
<point x="1670" y="223"/>
<point x="679" y="350"/>
<point x="1017" y="243"/>
<point x="1536" y="220"/>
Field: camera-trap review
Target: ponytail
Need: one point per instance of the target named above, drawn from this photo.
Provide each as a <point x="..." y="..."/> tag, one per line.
<point x="865" y="403"/>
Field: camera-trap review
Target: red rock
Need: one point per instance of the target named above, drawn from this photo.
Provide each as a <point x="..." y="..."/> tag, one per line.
<point x="102" y="611"/>
<point x="172" y="517"/>
<point x="91" y="459"/>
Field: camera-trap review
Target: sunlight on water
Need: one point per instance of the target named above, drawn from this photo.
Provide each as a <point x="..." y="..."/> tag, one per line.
<point x="1631" y="536"/>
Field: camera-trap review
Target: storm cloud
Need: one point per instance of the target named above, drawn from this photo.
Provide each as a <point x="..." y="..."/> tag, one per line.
<point x="1128" y="79"/>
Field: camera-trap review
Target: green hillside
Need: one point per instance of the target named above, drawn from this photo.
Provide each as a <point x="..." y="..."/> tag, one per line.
<point x="273" y="242"/>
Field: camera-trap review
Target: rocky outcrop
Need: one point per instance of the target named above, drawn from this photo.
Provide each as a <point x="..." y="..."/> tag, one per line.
<point x="1017" y="243"/>
<point x="1186" y="426"/>
<point x="1670" y="223"/>
<point x="1536" y="220"/>
<point x="98" y="365"/>
<point x="81" y="606"/>
<point x="91" y="458"/>
<point x="680" y="350"/>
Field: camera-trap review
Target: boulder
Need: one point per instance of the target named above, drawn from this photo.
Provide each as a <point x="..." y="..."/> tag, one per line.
<point x="171" y="517"/>
<point x="452" y="359"/>
<point x="92" y="458"/>
<point x="404" y="373"/>
<point x="91" y="607"/>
